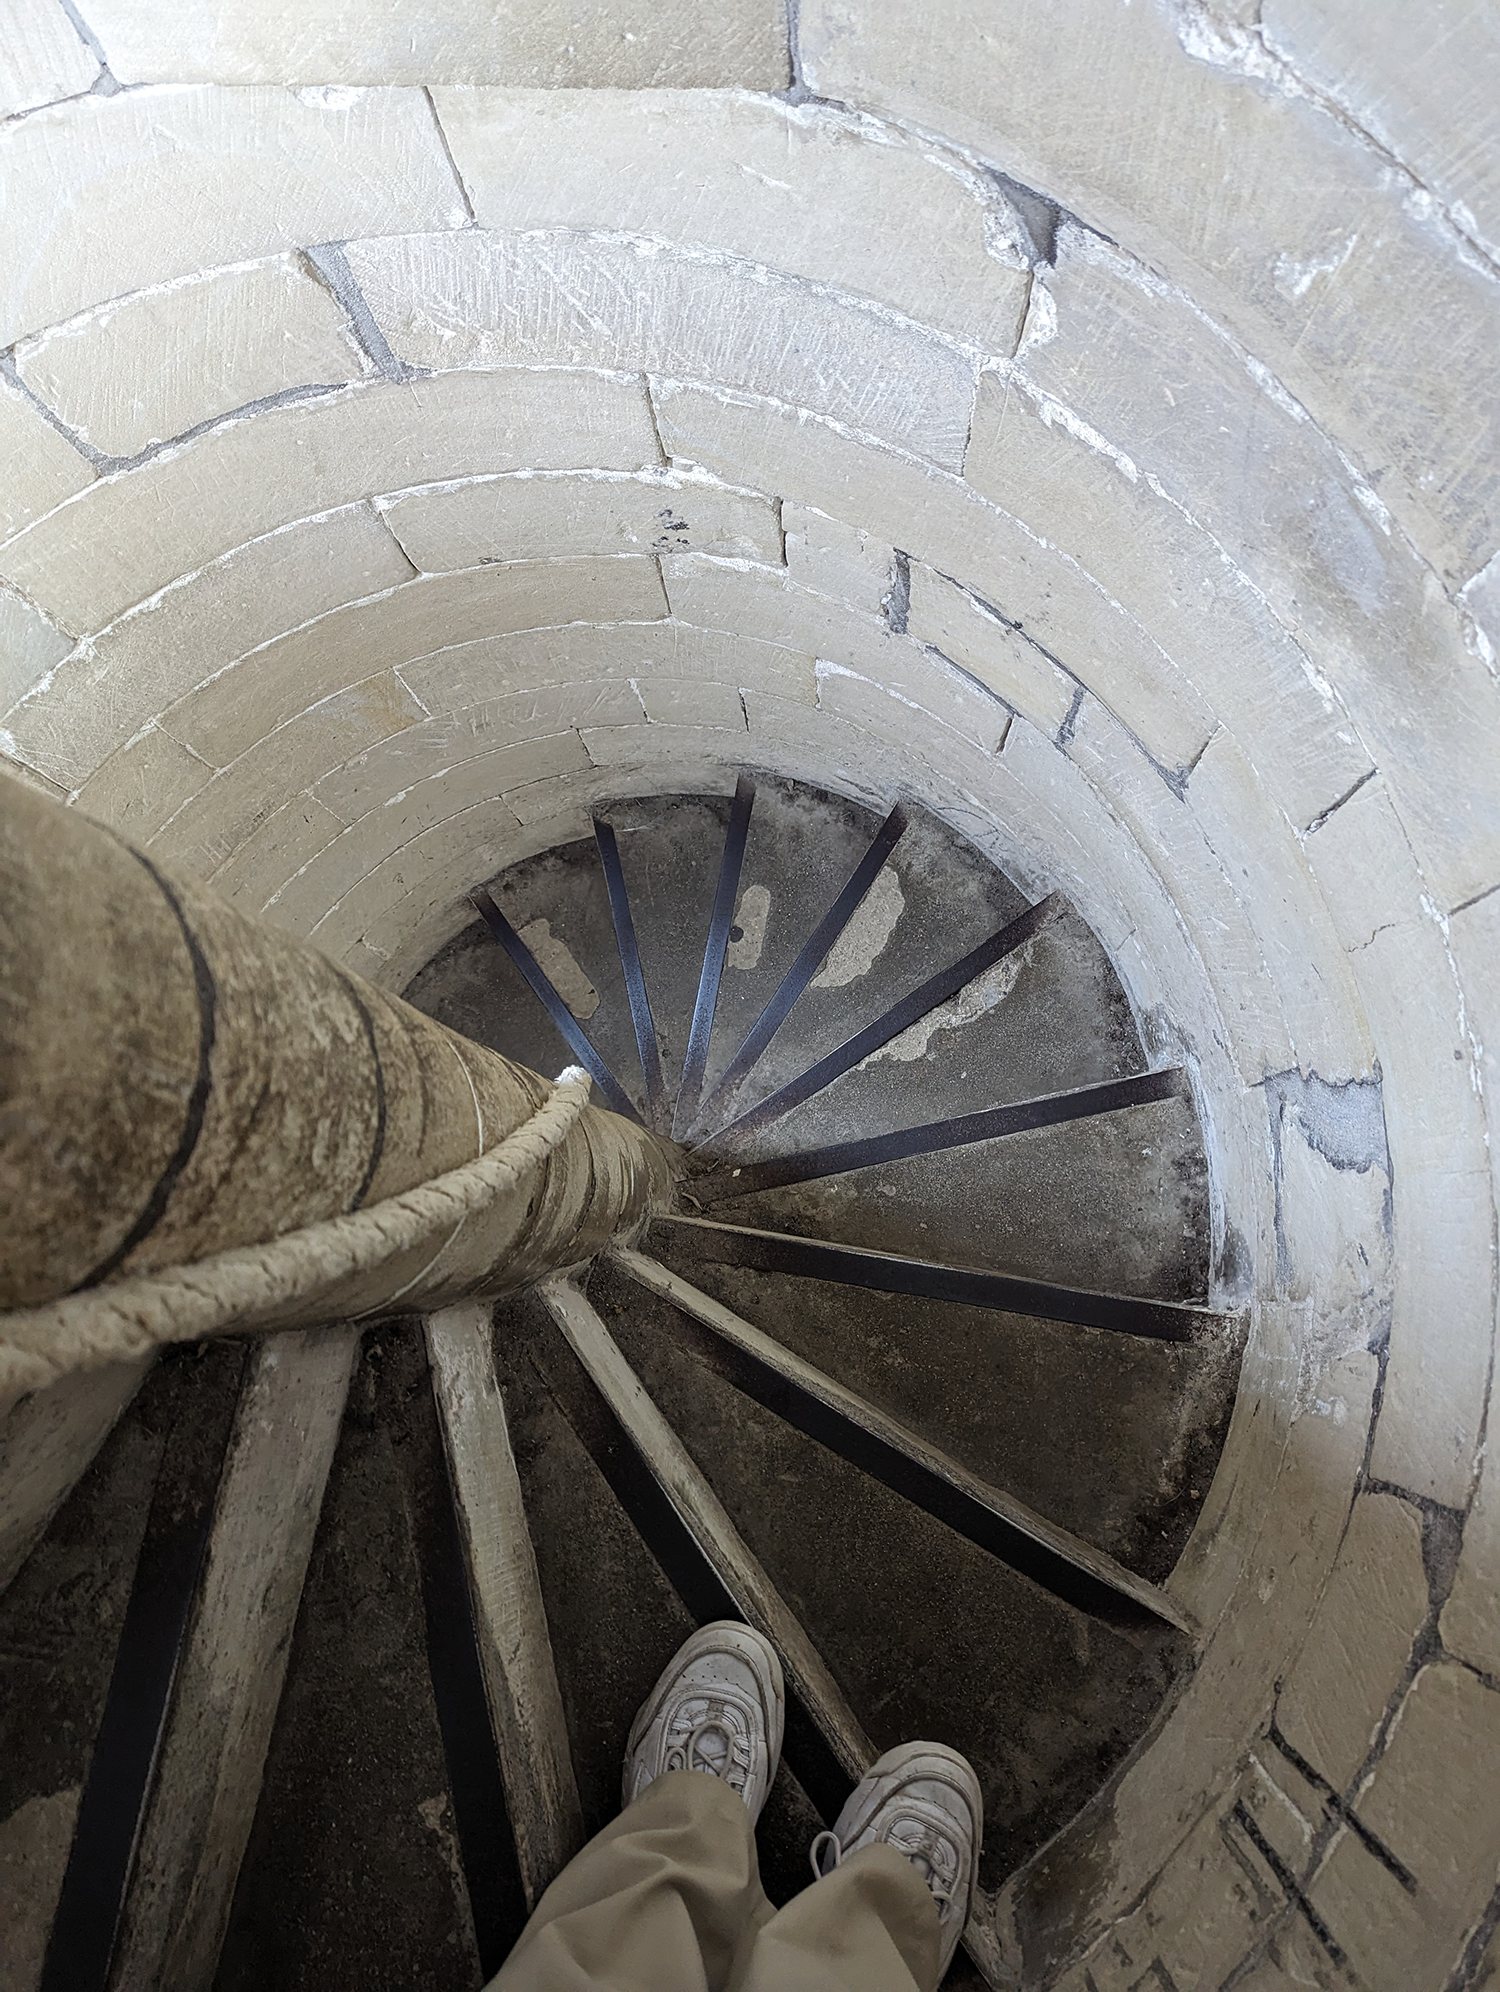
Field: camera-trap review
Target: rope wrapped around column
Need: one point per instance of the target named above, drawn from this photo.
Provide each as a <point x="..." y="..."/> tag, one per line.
<point x="208" y="1124"/>
<point x="240" y="1287"/>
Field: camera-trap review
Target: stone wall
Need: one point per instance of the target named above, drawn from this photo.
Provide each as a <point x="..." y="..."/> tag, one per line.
<point x="1080" y="417"/>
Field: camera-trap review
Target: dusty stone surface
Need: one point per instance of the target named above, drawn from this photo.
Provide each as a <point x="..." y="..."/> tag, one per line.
<point x="851" y="649"/>
<point x="806" y="189"/>
<point x="530" y="517"/>
<point x="1427" y="1801"/>
<point x="337" y="1883"/>
<point x="34" y="1843"/>
<point x="43" y="468"/>
<point x="939" y="520"/>
<point x="1209" y="620"/>
<point x="1246" y="897"/>
<point x="284" y="760"/>
<point x="1310" y="539"/>
<point x="559" y="298"/>
<point x="241" y="172"/>
<point x="144" y="784"/>
<point x="29" y="647"/>
<point x="532" y="663"/>
<point x="1301" y="276"/>
<point x="244" y="479"/>
<point x="506" y="723"/>
<point x="349" y="645"/>
<point x="147" y="367"/>
<point x="1415" y="93"/>
<point x="44" y="57"/>
<point x="996" y="652"/>
<point x="394" y="839"/>
<point x="641" y="47"/>
<point x="112" y="685"/>
<point x="1336" y="1696"/>
<point x="288" y="840"/>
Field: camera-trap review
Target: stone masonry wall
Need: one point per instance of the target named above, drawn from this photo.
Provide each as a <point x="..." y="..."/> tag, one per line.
<point x="1080" y="417"/>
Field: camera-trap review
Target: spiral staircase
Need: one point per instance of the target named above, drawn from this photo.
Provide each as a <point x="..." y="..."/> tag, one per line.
<point x="920" y="1374"/>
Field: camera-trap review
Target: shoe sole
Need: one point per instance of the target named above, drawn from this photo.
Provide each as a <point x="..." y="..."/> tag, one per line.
<point x="724" y="1635"/>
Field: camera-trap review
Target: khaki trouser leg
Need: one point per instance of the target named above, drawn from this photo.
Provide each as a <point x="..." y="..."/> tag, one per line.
<point x="668" y="1899"/>
<point x="870" y="1926"/>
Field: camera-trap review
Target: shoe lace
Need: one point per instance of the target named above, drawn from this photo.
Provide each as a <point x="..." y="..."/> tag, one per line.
<point x="689" y="1756"/>
<point x="925" y="1849"/>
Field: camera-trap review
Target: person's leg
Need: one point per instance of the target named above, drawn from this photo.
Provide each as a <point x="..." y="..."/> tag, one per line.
<point x="668" y="1896"/>
<point x="897" y="1879"/>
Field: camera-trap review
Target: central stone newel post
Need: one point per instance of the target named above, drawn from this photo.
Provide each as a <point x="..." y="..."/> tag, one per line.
<point x="178" y="1080"/>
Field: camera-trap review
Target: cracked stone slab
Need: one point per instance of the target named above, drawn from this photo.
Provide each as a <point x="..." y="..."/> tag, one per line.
<point x="110" y="687"/>
<point x="1470" y="1623"/>
<point x="42" y="468"/>
<point x="1429" y="1801"/>
<point x="1417" y="83"/>
<point x="998" y="654"/>
<point x="1431" y="1418"/>
<point x="177" y="179"/>
<point x="148" y="367"/>
<point x="1124" y="116"/>
<point x="239" y="480"/>
<point x="805" y="189"/>
<point x="556" y="298"/>
<point x="42" y="56"/>
<point x="530" y="517"/>
<point x="833" y="559"/>
<point x="1356" y="1656"/>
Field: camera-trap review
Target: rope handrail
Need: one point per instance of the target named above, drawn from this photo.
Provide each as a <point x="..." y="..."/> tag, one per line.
<point x="185" y="1303"/>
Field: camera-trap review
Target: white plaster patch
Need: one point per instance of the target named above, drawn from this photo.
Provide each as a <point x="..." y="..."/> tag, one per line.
<point x="864" y="940"/>
<point x="1040" y="327"/>
<point x="750" y="918"/>
<point x="1294" y="279"/>
<point x="560" y="966"/>
<point x="976" y="999"/>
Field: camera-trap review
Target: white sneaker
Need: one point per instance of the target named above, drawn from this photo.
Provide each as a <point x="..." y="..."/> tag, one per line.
<point x="719" y="1707"/>
<point x="923" y="1799"/>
